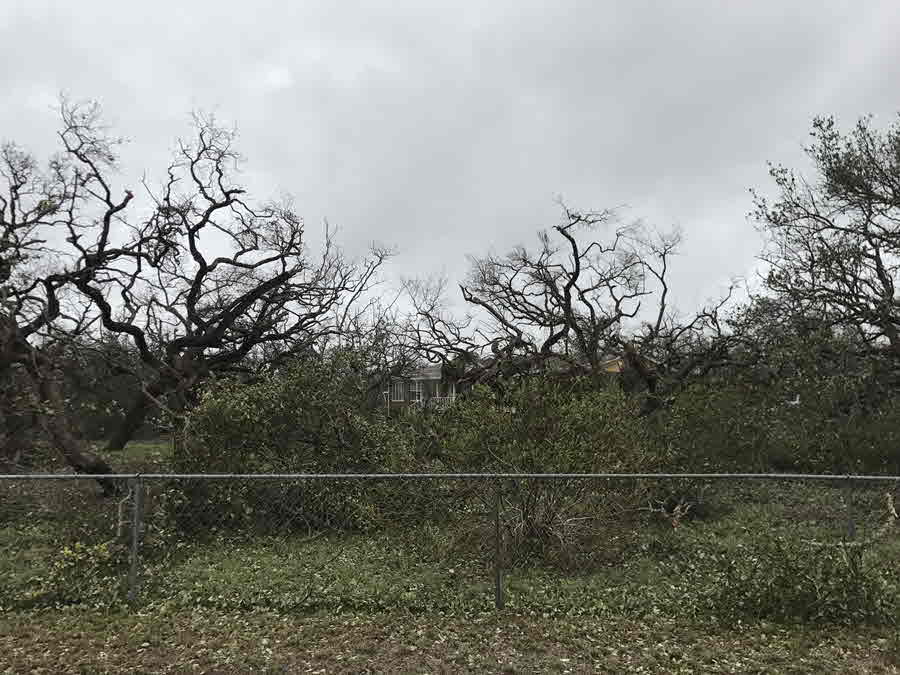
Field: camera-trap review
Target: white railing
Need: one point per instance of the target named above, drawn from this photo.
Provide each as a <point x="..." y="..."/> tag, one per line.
<point x="433" y="402"/>
<point x="441" y="401"/>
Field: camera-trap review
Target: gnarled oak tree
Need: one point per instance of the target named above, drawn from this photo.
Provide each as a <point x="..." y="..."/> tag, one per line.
<point x="197" y="278"/>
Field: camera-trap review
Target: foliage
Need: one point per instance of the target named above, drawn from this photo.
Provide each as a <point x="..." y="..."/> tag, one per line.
<point x="512" y="642"/>
<point x="785" y="580"/>
<point x="102" y="378"/>
<point x="540" y="425"/>
<point x="17" y="419"/>
<point x="833" y="242"/>
<point x="89" y="574"/>
<point x="761" y="552"/>
<point x="545" y="425"/>
<point x="806" y="424"/>
<point x="309" y="417"/>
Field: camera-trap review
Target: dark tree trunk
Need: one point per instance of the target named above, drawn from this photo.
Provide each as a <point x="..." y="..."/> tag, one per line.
<point x="16" y="422"/>
<point x="14" y="438"/>
<point x="135" y="416"/>
<point x="72" y="448"/>
<point x="130" y="424"/>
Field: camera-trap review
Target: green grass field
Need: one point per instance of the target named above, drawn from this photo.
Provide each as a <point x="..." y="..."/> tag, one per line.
<point x="420" y="598"/>
<point x="212" y="641"/>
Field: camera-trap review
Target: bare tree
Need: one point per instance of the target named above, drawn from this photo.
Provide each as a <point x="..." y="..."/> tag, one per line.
<point x="197" y="282"/>
<point x="573" y="304"/>
<point x="565" y="301"/>
<point x="208" y="278"/>
<point x="438" y="335"/>
<point x="671" y="348"/>
<point x="38" y="207"/>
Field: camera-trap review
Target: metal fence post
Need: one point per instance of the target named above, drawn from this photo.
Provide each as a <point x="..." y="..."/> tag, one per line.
<point x="137" y="514"/>
<point x="499" y="599"/>
<point x="851" y="523"/>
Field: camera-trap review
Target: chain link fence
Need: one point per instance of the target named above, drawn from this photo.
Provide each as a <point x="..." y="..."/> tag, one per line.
<point x="818" y="547"/>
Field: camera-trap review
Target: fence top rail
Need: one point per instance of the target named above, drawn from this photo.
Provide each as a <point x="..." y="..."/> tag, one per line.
<point x="454" y="476"/>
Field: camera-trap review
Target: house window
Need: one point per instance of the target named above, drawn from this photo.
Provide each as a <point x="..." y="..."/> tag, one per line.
<point x="416" y="391"/>
<point x="397" y="387"/>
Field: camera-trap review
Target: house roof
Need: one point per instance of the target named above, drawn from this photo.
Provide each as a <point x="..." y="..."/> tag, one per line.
<point x="429" y="372"/>
<point x="613" y="364"/>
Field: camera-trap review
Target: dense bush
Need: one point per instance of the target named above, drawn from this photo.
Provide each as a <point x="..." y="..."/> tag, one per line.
<point x="811" y="425"/>
<point x="311" y="417"/>
<point x="91" y="574"/>
<point x="784" y="580"/>
<point x="315" y="416"/>
<point x="547" y="426"/>
<point x="543" y="425"/>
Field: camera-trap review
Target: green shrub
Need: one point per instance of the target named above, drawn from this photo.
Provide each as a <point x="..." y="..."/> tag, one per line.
<point x="789" y="581"/>
<point x="86" y="574"/>
<point x="739" y="426"/>
<point x="311" y="417"/>
<point x="543" y="426"/>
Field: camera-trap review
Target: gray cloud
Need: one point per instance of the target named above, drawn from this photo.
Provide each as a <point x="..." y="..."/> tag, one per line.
<point x="450" y="130"/>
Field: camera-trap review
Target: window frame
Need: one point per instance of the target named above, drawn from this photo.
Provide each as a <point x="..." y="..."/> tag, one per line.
<point x="398" y="385"/>
<point x="416" y="391"/>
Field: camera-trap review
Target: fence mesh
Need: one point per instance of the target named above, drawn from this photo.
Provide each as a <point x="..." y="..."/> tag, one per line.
<point x="781" y="547"/>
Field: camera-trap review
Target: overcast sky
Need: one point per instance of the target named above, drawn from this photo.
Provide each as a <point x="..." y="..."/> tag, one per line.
<point x="451" y="129"/>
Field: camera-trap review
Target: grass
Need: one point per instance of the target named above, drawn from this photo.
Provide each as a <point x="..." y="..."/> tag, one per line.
<point x="416" y="600"/>
<point x="213" y="641"/>
<point x="144" y="456"/>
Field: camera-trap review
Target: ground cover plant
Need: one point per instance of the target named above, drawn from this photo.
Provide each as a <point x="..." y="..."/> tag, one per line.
<point x="743" y="567"/>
